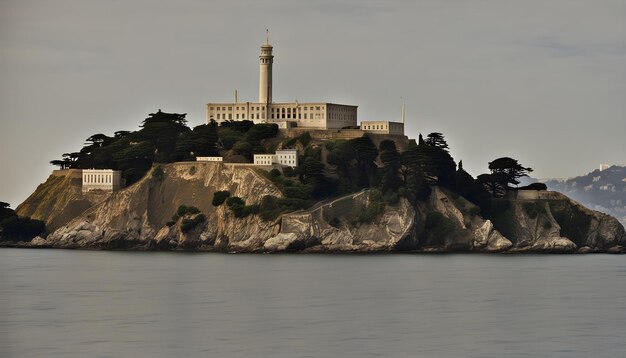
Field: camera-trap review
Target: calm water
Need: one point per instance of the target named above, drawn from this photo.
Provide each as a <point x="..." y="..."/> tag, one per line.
<point x="56" y="303"/>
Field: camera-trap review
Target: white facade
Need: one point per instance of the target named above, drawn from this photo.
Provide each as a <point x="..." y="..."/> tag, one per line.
<point x="264" y="159"/>
<point x="383" y="127"/>
<point x="314" y="115"/>
<point x="286" y="157"/>
<point x="101" y="179"/>
<point x="209" y="159"/>
<point x="604" y="167"/>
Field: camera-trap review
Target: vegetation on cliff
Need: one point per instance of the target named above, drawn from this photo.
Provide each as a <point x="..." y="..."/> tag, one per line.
<point x="393" y="174"/>
<point x="16" y="228"/>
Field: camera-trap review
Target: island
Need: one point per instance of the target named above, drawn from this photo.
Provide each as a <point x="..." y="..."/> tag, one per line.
<point x="294" y="177"/>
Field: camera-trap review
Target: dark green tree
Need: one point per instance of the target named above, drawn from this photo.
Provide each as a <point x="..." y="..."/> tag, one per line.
<point x="494" y="183"/>
<point x="162" y="130"/>
<point x="436" y="139"/>
<point x="390" y="171"/>
<point x="509" y="169"/>
<point x="6" y="211"/>
<point x="365" y="160"/>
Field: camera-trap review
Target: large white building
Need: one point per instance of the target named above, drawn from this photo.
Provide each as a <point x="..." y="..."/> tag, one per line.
<point x="314" y="115"/>
<point x="102" y="179"/>
<point x="286" y="157"/>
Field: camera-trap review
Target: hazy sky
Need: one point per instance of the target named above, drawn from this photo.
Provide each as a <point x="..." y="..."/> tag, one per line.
<point x="541" y="81"/>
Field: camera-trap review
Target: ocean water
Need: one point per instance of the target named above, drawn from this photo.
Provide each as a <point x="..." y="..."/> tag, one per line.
<point x="57" y="303"/>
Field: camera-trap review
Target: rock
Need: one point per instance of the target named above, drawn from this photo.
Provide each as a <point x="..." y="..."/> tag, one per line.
<point x="490" y="240"/>
<point x="497" y="242"/>
<point x="616" y="250"/>
<point x="555" y="245"/>
<point x="586" y="250"/>
<point x="281" y="241"/>
<point x="39" y="242"/>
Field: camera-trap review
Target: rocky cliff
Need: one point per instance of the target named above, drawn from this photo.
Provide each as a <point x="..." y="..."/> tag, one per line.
<point x="138" y="217"/>
<point x="59" y="199"/>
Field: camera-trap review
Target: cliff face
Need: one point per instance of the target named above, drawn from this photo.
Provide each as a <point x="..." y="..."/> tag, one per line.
<point x="137" y="218"/>
<point x="59" y="199"/>
<point x="550" y="221"/>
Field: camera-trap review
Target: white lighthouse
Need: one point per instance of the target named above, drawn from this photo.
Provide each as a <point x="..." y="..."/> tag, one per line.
<point x="265" y="72"/>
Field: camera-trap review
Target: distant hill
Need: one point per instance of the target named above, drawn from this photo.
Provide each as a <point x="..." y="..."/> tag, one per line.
<point x="603" y="191"/>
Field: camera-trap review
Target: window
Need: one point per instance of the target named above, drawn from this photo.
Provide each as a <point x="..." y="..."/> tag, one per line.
<point x="230" y="116"/>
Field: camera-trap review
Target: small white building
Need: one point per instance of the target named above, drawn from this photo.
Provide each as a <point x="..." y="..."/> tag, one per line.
<point x="264" y="159"/>
<point x="101" y="179"/>
<point x="209" y="159"/>
<point x="286" y="157"/>
<point x="383" y="127"/>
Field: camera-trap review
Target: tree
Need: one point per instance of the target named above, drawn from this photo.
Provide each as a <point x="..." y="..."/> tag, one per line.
<point x="162" y="130"/>
<point x="494" y="183"/>
<point x="135" y="160"/>
<point x="262" y="131"/>
<point x="508" y="170"/>
<point x="365" y="154"/>
<point x="63" y="164"/>
<point x="6" y="211"/>
<point x="311" y="169"/>
<point x="436" y="139"/>
<point x="17" y="228"/>
<point x="389" y="156"/>
<point x="99" y="139"/>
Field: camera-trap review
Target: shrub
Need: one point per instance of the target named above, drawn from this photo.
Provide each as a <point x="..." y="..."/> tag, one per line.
<point x="533" y="209"/>
<point x="303" y="192"/>
<point x="335" y="222"/>
<point x="304" y="138"/>
<point x="21" y="228"/>
<point x="219" y="197"/>
<point x="289" y="172"/>
<point x="274" y="173"/>
<point x="262" y="131"/>
<point x="242" y="148"/>
<point x="158" y="173"/>
<point x="391" y="198"/>
<point x="189" y="224"/>
<point x="184" y="210"/>
<point x="239" y="207"/>
<point x="374" y="208"/>
<point x="534" y="186"/>
<point x="234" y="201"/>
<point x="229" y="139"/>
<point x="474" y="211"/>
<point x="192" y="170"/>
<point x="433" y="220"/>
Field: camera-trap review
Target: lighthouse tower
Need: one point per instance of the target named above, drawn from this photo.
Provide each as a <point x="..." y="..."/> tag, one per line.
<point x="265" y="72"/>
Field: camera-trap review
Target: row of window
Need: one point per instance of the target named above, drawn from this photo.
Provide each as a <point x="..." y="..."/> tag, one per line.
<point x="274" y="109"/>
<point x="97" y="178"/>
<point x="374" y="127"/>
